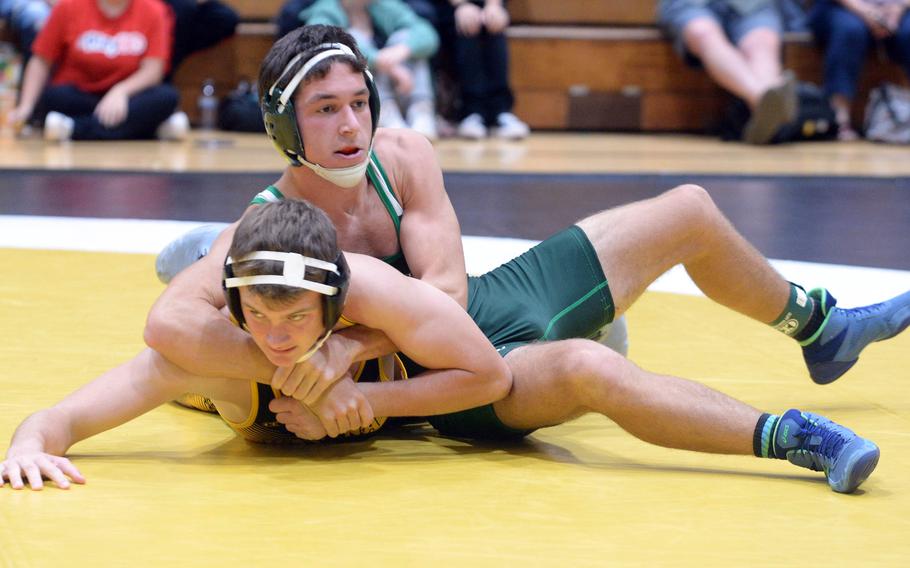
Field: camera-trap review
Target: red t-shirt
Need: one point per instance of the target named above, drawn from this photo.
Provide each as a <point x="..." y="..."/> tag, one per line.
<point x="94" y="52"/>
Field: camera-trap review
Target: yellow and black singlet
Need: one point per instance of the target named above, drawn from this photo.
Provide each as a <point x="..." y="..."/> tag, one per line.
<point x="262" y="426"/>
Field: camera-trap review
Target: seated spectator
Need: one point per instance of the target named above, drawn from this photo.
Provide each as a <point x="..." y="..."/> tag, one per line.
<point x="475" y="30"/>
<point x="106" y="60"/>
<point x="198" y="25"/>
<point x="397" y="44"/>
<point x="25" y="19"/>
<point x="793" y="15"/>
<point x="288" y="18"/>
<point x="739" y="44"/>
<point x="846" y="29"/>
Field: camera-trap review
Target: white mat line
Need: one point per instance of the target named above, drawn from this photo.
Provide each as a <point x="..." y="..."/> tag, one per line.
<point x="852" y="285"/>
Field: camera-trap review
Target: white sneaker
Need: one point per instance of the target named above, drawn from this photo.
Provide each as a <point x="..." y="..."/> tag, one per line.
<point x="472" y="127"/>
<point x="390" y="116"/>
<point x="176" y="127"/>
<point x="58" y="127"/>
<point x="422" y="119"/>
<point x="510" y="127"/>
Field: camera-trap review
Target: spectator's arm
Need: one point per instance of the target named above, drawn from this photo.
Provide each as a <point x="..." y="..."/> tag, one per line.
<point x="36" y="73"/>
<point x="396" y="17"/>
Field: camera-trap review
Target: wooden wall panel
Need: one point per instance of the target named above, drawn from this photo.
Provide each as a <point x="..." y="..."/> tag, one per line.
<point x="547" y="109"/>
<point x="601" y="65"/>
<point x="585" y="12"/>
<point x="256" y="10"/>
<point x="687" y="112"/>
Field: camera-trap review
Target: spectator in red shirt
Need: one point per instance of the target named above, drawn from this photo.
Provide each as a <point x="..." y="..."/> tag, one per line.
<point x="106" y="60"/>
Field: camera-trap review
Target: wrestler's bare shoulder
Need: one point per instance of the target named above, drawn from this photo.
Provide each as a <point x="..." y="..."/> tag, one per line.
<point x="397" y="145"/>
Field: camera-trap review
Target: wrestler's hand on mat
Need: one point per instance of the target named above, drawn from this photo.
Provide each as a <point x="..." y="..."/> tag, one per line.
<point x="308" y="380"/>
<point x="35" y="466"/>
<point x="343" y="408"/>
<point x="297" y="418"/>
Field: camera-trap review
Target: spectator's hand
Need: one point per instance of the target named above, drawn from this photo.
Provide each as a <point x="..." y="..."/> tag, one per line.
<point x="891" y="16"/>
<point x="403" y="79"/>
<point x="35" y="466"/>
<point x="875" y="18"/>
<point x="297" y="418"/>
<point x="343" y="409"/>
<point x="389" y="57"/>
<point x="16" y="118"/>
<point x="468" y="19"/>
<point x="308" y="380"/>
<point x="495" y="18"/>
<point x="113" y="108"/>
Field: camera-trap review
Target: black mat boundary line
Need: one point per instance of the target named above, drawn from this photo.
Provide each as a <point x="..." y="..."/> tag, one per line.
<point x="858" y="221"/>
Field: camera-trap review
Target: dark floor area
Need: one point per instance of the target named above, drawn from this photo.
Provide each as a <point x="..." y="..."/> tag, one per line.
<point x="862" y="221"/>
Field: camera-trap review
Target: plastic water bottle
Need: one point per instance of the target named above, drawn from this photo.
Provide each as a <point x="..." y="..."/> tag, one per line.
<point x="208" y="106"/>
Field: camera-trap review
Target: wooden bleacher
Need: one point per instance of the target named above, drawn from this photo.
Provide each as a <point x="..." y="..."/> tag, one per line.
<point x="575" y="64"/>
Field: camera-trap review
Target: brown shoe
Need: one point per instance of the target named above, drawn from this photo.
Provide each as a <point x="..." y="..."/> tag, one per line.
<point x="776" y="108"/>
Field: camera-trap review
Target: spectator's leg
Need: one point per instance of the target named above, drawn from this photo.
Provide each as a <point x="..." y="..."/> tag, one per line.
<point x="67" y="100"/>
<point x="761" y="48"/>
<point x="26" y="19"/>
<point x="899" y="46"/>
<point x="421" y="110"/>
<point x="758" y="37"/>
<point x="846" y="40"/>
<point x="496" y="69"/>
<point x="147" y="110"/>
<point x="724" y="63"/>
<point x="469" y="57"/>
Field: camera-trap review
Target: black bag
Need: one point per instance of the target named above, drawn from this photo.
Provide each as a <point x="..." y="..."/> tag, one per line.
<point x="239" y="111"/>
<point x="815" y="119"/>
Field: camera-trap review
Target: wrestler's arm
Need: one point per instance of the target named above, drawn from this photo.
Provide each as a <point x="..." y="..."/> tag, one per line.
<point x="430" y="234"/>
<point x="430" y="328"/>
<point x="116" y="397"/>
<point x="186" y="324"/>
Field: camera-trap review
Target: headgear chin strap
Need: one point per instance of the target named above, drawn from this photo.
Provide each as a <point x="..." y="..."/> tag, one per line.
<point x="342" y="177"/>
<point x="334" y="287"/>
<point x="280" y="117"/>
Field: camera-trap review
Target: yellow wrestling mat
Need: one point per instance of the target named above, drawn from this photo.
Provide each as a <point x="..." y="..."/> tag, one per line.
<point x="177" y="488"/>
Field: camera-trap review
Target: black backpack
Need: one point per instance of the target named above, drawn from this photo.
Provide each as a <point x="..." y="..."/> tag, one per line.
<point x="814" y="118"/>
<point x="239" y="111"/>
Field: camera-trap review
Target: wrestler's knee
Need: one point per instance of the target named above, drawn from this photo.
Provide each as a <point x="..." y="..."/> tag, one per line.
<point x="695" y="205"/>
<point x="587" y="369"/>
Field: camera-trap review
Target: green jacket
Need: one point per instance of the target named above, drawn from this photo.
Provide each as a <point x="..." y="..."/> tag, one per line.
<point x="388" y="16"/>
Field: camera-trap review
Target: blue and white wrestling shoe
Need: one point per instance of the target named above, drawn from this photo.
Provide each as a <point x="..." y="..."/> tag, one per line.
<point x="816" y="443"/>
<point x="844" y="333"/>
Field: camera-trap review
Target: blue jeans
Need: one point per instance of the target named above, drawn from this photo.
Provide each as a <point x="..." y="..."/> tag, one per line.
<point x="846" y="41"/>
<point x="26" y="18"/>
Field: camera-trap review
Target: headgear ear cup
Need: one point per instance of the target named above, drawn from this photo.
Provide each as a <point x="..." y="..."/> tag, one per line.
<point x="332" y="306"/>
<point x="278" y="112"/>
<point x="232" y="297"/>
